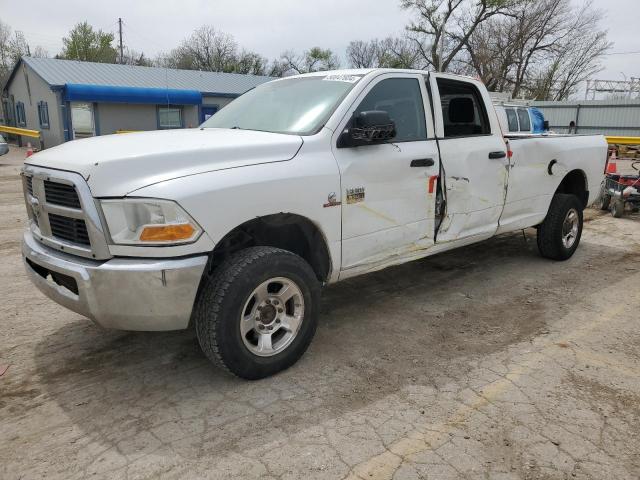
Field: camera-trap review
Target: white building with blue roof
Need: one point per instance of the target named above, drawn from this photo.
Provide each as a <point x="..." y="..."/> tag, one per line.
<point x="67" y="99"/>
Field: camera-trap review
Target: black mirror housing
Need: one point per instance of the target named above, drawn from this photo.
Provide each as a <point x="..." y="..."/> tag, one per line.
<point x="371" y="127"/>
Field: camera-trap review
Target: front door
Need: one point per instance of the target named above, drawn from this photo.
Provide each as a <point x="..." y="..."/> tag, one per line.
<point x="387" y="209"/>
<point x="82" y="121"/>
<point x="474" y="159"/>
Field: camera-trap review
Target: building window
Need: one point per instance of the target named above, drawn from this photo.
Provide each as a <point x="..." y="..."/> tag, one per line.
<point x="43" y="114"/>
<point x="21" y="118"/>
<point x="169" y="117"/>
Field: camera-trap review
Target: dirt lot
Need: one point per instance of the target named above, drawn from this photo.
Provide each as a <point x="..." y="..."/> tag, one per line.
<point x="488" y="362"/>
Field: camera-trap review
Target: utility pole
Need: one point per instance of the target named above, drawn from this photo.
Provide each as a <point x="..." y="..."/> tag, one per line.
<point x="120" y="30"/>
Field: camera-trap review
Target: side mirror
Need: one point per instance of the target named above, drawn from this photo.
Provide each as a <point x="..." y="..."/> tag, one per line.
<point x="368" y="128"/>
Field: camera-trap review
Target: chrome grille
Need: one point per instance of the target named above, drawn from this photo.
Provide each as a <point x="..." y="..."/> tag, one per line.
<point x="61" y="194"/>
<point x="62" y="212"/>
<point x="30" y="185"/>
<point x="70" y="229"/>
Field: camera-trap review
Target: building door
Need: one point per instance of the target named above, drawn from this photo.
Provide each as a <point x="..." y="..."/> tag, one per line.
<point x="206" y="113"/>
<point x="82" y="121"/>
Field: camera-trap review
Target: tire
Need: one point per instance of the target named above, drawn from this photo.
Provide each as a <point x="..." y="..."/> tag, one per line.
<point x="553" y="236"/>
<point x="228" y="304"/>
<point x="604" y="201"/>
<point x="617" y="208"/>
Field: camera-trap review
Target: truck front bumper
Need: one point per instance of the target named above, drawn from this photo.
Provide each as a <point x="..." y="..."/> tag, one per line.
<point x="121" y="293"/>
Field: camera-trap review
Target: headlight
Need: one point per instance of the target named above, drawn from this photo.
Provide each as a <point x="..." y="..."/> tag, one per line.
<point x="142" y="221"/>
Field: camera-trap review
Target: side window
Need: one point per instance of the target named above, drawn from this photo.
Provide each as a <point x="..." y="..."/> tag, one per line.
<point x="43" y="114"/>
<point x="463" y="111"/>
<point x="21" y="118"/>
<point x="512" y="119"/>
<point x="402" y="100"/>
<point x="525" y="122"/>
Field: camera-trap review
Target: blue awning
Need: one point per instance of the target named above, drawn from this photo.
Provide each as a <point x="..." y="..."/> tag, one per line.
<point x="112" y="94"/>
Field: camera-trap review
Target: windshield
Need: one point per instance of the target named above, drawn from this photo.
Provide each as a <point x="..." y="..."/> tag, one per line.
<point x="298" y="106"/>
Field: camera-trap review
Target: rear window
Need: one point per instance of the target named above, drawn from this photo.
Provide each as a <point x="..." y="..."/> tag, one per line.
<point x="512" y="119"/>
<point x="463" y="111"/>
<point x="525" y="122"/>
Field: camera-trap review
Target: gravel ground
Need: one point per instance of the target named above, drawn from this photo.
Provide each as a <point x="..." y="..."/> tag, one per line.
<point x="488" y="362"/>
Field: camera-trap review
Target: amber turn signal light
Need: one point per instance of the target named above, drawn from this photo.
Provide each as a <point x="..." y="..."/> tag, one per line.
<point x="167" y="233"/>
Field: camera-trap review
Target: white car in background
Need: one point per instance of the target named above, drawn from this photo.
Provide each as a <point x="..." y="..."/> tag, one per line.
<point x="523" y="119"/>
<point x="4" y="148"/>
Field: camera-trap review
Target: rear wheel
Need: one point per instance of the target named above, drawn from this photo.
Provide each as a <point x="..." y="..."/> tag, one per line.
<point x="559" y="235"/>
<point x="258" y="313"/>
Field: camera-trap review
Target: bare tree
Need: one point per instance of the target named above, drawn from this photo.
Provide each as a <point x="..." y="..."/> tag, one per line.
<point x="315" y="59"/>
<point x="14" y="46"/>
<point x="211" y="50"/>
<point x="40" y="52"/>
<point x="539" y="48"/>
<point x="6" y="57"/>
<point x="251" y="63"/>
<point x="361" y="54"/>
<point x="386" y="53"/>
<point x="208" y="49"/>
<point x="443" y="27"/>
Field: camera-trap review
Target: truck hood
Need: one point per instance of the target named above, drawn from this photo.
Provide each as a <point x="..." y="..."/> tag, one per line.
<point x="116" y="165"/>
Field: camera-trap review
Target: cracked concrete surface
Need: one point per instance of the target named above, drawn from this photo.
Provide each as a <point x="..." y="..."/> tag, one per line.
<point x="487" y="362"/>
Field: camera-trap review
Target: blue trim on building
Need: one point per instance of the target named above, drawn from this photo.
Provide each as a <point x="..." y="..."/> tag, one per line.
<point x="114" y="94"/>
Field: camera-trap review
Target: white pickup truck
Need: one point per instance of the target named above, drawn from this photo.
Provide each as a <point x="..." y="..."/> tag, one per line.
<point x="234" y="226"/>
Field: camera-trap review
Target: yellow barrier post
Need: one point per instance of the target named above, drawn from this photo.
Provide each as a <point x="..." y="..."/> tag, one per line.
<point x="613" y="140"/>
<point x="23" y="132"/>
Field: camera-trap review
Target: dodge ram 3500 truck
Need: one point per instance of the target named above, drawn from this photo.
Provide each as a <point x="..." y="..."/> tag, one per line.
<point x="234" y="226"/>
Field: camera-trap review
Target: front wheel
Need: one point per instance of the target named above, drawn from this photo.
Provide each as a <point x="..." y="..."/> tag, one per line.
<point x="559" y="234"/>
<point x="258" y="313"/>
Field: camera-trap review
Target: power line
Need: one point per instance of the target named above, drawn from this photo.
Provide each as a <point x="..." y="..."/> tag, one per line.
<point x="622" y="53"/>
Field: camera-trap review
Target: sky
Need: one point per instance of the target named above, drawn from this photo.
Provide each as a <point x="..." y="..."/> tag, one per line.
<point x="269" y="26"/>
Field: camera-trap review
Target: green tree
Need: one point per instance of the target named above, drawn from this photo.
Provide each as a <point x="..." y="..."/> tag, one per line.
<point x="88" y="45"/>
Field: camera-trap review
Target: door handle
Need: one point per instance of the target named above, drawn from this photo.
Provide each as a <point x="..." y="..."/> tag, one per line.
<point x="496" y="155"/>
<point x="423" y="162"/>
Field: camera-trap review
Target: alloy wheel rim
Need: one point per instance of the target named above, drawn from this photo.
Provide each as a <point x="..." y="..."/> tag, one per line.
<point x="570" y="228"/>
<point x="271" y="317"/>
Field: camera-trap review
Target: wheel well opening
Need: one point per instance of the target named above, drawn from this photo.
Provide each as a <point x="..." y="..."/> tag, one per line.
<point x="287" y="231"/>
<point x="575" y="183"/>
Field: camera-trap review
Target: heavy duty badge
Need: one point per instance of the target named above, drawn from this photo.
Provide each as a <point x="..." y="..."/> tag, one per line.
<point x="355" y="195"/>
<point x="332" y="200"/>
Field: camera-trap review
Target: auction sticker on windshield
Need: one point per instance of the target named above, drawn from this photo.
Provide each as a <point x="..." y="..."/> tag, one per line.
<point x="342" y="78"/>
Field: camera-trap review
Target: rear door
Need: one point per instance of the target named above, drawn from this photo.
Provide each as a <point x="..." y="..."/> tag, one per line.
<point x="473" y="155"/>
<point x="387" y="208"/>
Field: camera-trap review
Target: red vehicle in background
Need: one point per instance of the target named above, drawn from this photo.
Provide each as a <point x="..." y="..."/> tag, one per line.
<point x="621" y="188"/>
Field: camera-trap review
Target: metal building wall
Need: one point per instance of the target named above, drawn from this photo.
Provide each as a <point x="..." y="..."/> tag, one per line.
<point x="608" y="117"/>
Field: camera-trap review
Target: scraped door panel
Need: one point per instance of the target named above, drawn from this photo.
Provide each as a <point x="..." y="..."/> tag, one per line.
<point x="387" y="211"/>
<point x="474" y="159"/>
